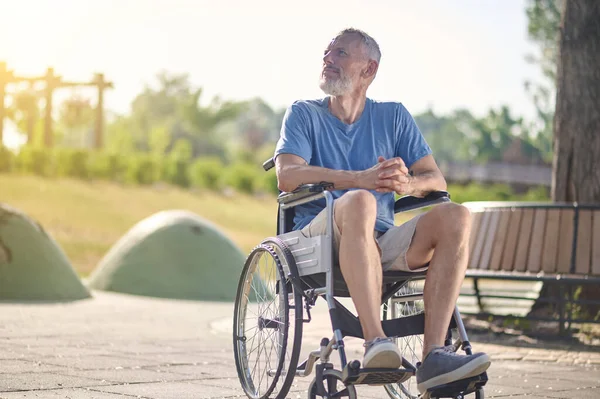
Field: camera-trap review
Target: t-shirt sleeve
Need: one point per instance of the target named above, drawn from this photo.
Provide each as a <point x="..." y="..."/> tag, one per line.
<point x="294" y="136"/>
<point x="411" y="145"/>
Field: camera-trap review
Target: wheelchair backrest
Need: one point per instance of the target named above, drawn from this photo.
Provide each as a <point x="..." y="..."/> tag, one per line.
<point x="289" y="220"/>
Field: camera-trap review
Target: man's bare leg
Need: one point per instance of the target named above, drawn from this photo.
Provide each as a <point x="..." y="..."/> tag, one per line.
<point x="360" y="262"/>
<point x="441" y="238"/>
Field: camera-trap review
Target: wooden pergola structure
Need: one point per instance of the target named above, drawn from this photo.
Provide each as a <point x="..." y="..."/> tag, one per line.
<point x="53" y="82"/>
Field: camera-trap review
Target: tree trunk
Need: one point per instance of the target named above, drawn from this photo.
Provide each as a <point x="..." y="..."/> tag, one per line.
<point x="576" y="164"/>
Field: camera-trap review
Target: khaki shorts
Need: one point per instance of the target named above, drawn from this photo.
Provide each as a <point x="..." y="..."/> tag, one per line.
<point x="393" y="244"/>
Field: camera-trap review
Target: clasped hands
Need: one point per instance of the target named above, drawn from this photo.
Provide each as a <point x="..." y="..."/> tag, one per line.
<point x="388" y="175"/>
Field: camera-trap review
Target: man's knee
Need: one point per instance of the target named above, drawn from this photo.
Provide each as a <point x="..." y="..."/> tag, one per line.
<point x="449" y="220"/>
<point x="358" y="204"/>
<point x="455" y="219"/>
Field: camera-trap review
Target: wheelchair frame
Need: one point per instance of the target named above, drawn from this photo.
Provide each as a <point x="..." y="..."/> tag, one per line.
<point x="318" y="261"/>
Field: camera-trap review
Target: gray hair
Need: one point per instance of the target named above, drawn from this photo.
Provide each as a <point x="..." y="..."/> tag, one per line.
<point x="373" y="51"/>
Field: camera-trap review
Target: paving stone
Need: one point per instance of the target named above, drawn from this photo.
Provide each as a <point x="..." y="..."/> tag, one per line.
<point x="493" y="389"/>
<point x="130" y="376"/>
<point x="90" y="362"/>
<point x="70" y="393"/>
<point x="587" y="393"/>
<point x="173" y="390"/>
<point x="545" y="384"/>
<point x="28" y="381"/>
<point x="26" y="366"/>
<point x="507" y="356"/>
<point x="197" y="371"/>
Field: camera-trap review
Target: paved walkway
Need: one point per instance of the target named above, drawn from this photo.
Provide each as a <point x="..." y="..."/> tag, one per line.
<point x="126" y="346"/>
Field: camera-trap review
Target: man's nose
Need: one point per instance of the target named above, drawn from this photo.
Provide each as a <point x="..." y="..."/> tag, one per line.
<point x="327" y="58"/>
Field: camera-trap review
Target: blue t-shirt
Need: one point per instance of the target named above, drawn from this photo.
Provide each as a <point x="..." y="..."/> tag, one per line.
<point x="310" y="131"/>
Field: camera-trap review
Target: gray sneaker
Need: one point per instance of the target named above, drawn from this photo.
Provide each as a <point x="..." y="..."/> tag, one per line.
<point x="443" y="365"/>
<point x="382" y="353"/>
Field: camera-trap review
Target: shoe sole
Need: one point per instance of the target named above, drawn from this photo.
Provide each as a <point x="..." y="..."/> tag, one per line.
<point x="384" y="357"/>
<point x="471" y="369"/>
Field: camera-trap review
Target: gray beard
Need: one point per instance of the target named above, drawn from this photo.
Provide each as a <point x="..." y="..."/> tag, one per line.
<point x="337" y="87"/>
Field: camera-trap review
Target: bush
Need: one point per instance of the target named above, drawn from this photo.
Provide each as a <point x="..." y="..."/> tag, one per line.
<point x="206" y="172"/>
<point x="35" y="160"/>
<point x="105" y="165"/>
<point x="7" y="159"/>
<point x="176" y="171"/>
<point x="72" y="163"/>
<point x="142" y="169"/>
<point x="268" y="182"/>
<point x="242" y="177"/>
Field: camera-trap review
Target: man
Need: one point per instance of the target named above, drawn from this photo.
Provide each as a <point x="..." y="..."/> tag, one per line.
<point x="370" y="150"/>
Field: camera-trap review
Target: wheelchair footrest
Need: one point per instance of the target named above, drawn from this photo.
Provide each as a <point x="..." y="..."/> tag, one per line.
<point x="354" y="375"/>
<point x="456" y="388"/>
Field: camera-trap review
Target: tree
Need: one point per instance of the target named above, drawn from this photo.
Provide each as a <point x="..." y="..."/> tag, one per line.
<point x="576" y="166"/>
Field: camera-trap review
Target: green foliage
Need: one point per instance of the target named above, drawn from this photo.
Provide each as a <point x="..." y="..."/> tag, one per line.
<point x="7" y="160"/>
<point x="268" y="182"/>
<point x="495" y="192"/>
<point x="182" y="149"/>
<point x="206" y="172"/>
<point x="71" y="163"/>
<point x="176" y="171"/>
<point x="543" y="24"/>
<point x="159" y="140"/>
<point x="143" y="168"/>
<point x="35" y="160"/>
<point x="544" y="18"/>
<point x="242" y="177"/>
<point x="106" y="165"/>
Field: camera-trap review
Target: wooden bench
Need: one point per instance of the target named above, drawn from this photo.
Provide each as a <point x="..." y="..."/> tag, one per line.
<point x="558" y="243"/>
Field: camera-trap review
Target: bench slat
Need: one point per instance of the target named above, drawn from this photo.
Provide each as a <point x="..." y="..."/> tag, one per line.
<point x="584" y="242"/>
<point x="486" y="253"/>
<point x="524" y="240"/>
<point x="596" y="248"/>
<point x="534" y="261"/>
<point x="498" y="246"/>
<point x="550" y="251"/>
<point x="475" y="224"/>
<point x="513" y="233"/>
<point x="565" y="242"/>
<point x="481" y="237"/>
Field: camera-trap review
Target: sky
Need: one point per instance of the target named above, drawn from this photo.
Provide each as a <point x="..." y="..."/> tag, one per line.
<point x="436" y="54"/>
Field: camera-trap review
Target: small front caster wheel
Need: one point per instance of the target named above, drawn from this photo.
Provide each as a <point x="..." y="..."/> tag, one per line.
<point x="334" y="387"/>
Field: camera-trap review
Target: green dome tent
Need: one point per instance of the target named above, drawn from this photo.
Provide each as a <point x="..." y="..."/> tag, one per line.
<point x="32" y="266"/>
<point x="172" y="254"/>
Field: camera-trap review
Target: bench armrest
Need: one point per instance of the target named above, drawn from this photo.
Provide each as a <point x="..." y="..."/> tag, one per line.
<point x="304" y="191"/>
<point x="409" y="203"/>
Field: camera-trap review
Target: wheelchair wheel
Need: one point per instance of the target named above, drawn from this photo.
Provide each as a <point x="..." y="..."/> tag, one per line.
<point x="411" y="346"/>
<point x="267" y="324"/>
<point x="334" y="386"/>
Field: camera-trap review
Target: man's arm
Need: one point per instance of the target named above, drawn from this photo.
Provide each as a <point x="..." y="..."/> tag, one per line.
<point x="424" y="178"/>
<point x="292" y="171"/>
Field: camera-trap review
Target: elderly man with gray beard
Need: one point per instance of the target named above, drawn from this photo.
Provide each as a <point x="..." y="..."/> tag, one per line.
<point x="370" y="150"/>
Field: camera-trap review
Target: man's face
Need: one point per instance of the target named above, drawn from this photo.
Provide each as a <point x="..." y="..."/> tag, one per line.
<point x="343" y="61"/>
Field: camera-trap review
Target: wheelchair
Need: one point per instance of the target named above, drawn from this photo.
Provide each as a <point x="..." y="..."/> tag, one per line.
<point x="281" y="281"/>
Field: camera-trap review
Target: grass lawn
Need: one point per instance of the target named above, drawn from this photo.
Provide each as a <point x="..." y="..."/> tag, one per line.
<point x="87" y="218"/>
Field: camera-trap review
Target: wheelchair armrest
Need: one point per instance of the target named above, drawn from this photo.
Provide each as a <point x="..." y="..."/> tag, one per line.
<point x="409" y="203"/>
<point x="303" y="191"/>
<point x="269" y="164"/>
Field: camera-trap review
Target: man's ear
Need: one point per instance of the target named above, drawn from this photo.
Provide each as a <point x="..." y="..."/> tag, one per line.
<point x="371" y="69"/>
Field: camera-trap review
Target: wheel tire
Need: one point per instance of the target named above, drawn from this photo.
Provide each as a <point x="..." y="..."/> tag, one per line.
<point x="411" y="346"/>
<point x="262" y="309"/>
<point x="331" y="378"/>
